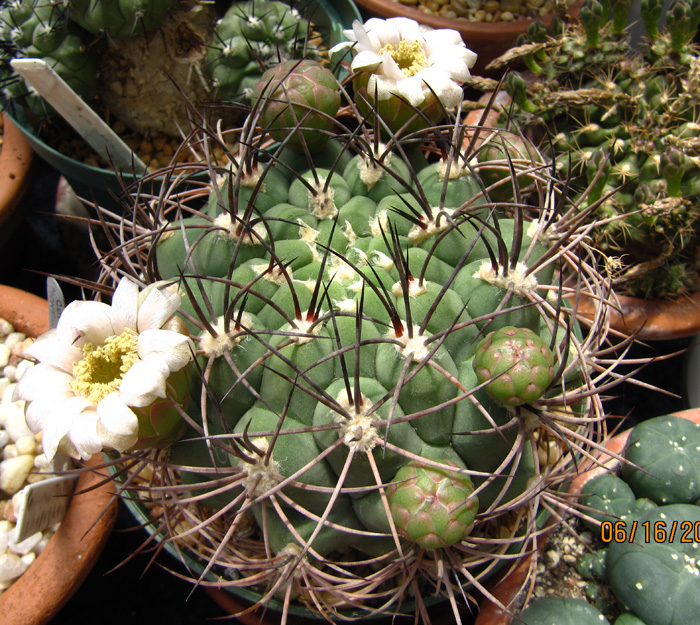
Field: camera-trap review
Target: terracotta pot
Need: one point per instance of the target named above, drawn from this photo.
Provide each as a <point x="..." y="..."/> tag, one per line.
<point x="488" y="40"/>
<point x="510" y="587"/>
<point x="15" y="165"/>
<point x="37" y="596"/>
<point x="651" y="320"/>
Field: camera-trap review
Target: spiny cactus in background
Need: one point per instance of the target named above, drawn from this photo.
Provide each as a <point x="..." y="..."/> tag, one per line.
<point x="108" y="53"/>
<point x="38" y="29"/>
<point x="652" y="523"/>
<point x="624" y="124"/>
<point x="351" y="450"/>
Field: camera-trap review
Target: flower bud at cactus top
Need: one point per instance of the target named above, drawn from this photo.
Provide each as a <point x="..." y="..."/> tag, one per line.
<point x="297" y="97"/>
<point x="432" y="507"/>
<point x="516" y="364"/>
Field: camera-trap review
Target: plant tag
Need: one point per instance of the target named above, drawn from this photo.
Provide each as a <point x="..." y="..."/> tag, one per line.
<point x="56" y="301"/>
<point x="43" y="504"/>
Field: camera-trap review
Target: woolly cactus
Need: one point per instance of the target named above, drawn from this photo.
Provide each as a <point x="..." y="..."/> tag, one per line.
<point x="624" y="125"/>
<point x="342" y="449"/>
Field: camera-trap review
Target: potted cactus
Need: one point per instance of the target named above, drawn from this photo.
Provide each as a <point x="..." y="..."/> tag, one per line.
<point x="146" y="66"/>
<point x="341" y="380"/>
<point x="622" y="122"/>
<point x="642" y="504"/>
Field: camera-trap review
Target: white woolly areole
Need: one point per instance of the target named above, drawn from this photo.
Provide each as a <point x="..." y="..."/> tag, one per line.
<point x="346" y="305"/>
<point x="213" y="345"/>
<point x="358" y="432"/>
<point x="228" y="230"/>
<point x="349" y="234"/>
<point x="322" y="202"/>
<point x="342" y="272"/>
<point x="305" y="330"/>
<point x="306" y="232"/>
<point x="415" y="288"/>
<point x="517" y="278"/>
<point x="370" y="172"/>
<point x="262" y="476"/>
<point x="379" y="223"/>
<point x="384" y="261"/>
<point x="414" y="345"/>
<point x="276" y="276"/>
<point x="418" y="234"/>
<point x="456" y="171"/>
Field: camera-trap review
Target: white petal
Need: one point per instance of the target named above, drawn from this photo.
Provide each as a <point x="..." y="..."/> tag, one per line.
<point x="51" y="349"/>
<point x="391" y="69"/>
<point x="412" y="90"/>
<point x="366" y="60"/>
<point x="446" y="90"/>
<point x="144" y="382"/>
<point x="124" y="306"/>
<point x="407" y="29"/>
<point x="453" y="62"/>
<point x="38" y="412"/>
<point x="116" y="416"/>
<point x="441" y="37"/>
<point x="41" y="381"/>
<point x="156" y="309"/>
<point x="384" y="87"/>
<point x="175" y="348"/>
<point x="91" y="319"/>
<point x="83" y="434"/>
<point x="58" y="426"/>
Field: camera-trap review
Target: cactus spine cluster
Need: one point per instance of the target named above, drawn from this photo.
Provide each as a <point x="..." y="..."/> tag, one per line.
<point x="623" y="121"/>
<point x="142" y="61"/>
<point x="357" y="445"/>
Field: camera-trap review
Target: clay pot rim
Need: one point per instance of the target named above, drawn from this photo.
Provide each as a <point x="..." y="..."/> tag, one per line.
<point x="16" y="157"/>
<point x="490" y="614"/>
<point x="39" y="594"/>
<point x="651" y="320"/>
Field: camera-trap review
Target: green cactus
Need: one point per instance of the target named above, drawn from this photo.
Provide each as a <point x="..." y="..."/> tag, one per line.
<point x="107" y="51"/>
<point x="562" y="611"/>
<point x="340" y="296"/>
<point x="37" y="29"/>
<point x="664" y="456"/>
<point x="624" y="125"/>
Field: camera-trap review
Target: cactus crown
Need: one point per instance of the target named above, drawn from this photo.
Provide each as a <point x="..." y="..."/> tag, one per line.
<point x="623" y="117"/>
<point x="352" y="439"/>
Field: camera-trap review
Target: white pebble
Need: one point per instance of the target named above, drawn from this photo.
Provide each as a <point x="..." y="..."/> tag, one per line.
<point x="4" y="438"/>
<point x="4" y="383"/>
<point x="10" y="372"/>
<point x="22" y="366"/>
<point x="5" y="353"/>
<point x="26" y="445"/>
<point x="6" y="327"/>
<point x="13" y="338"/>
<point x="28" y="558"/>
<point x="26" y="546"/>
<point x="40" y="462"/>
<point x="10" y="451"/>
<point x="11" y="567"/>
<point x="14" y="472"/>
<point x="41" y="545"/>
<point x="14" y="420"/>
<point x="4" y="540"/>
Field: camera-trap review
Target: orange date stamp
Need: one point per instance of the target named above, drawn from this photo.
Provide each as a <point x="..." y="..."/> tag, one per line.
<point x="649" y="532"/>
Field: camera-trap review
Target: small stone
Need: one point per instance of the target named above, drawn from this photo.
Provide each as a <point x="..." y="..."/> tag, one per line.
<point x="13" y="473"/>
<point x="6" y="327"/>
<point x="26" y="445"/>
<point x="4" y="383"/>
<point x="4" y="438"/>
<point x="10" y="372"/>
<point x="5" y="352"/>
<point x="14" y="420"/>
<point x="14" y="338"/>
<point x="553" y="557"/>
<point x="22" y="366"/>
<point x="11" y="567"/>
<point x="26" y="546"/>
<point x="10" y="451"/>
<point x="4" y="537"/>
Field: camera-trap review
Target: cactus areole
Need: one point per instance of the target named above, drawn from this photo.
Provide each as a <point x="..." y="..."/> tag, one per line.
<point x="357" y="307"/>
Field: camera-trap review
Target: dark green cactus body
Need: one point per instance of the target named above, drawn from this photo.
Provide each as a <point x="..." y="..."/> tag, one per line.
<point x="119" y="18"/>
<point x="665" y="460"/>
<point x="562" y="611"/>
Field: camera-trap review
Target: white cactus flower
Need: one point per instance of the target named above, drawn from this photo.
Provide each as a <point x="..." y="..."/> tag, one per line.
<point x="410" y="60"/>
<point x="100" y="364"/>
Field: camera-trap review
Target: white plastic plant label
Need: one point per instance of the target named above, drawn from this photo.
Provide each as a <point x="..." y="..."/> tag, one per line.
<point x="43" y="504"/>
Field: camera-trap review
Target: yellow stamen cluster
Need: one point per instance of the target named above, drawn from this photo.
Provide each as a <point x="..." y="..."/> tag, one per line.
<point x="101" y="370"/>
<point x="409" y="56"/>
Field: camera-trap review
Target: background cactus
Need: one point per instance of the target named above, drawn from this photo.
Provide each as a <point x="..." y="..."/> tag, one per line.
<point x="338" y="296"/>
<point x="624" y="125"/>
<point x="109" y="53"/>
<point x="651" y="561"/>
